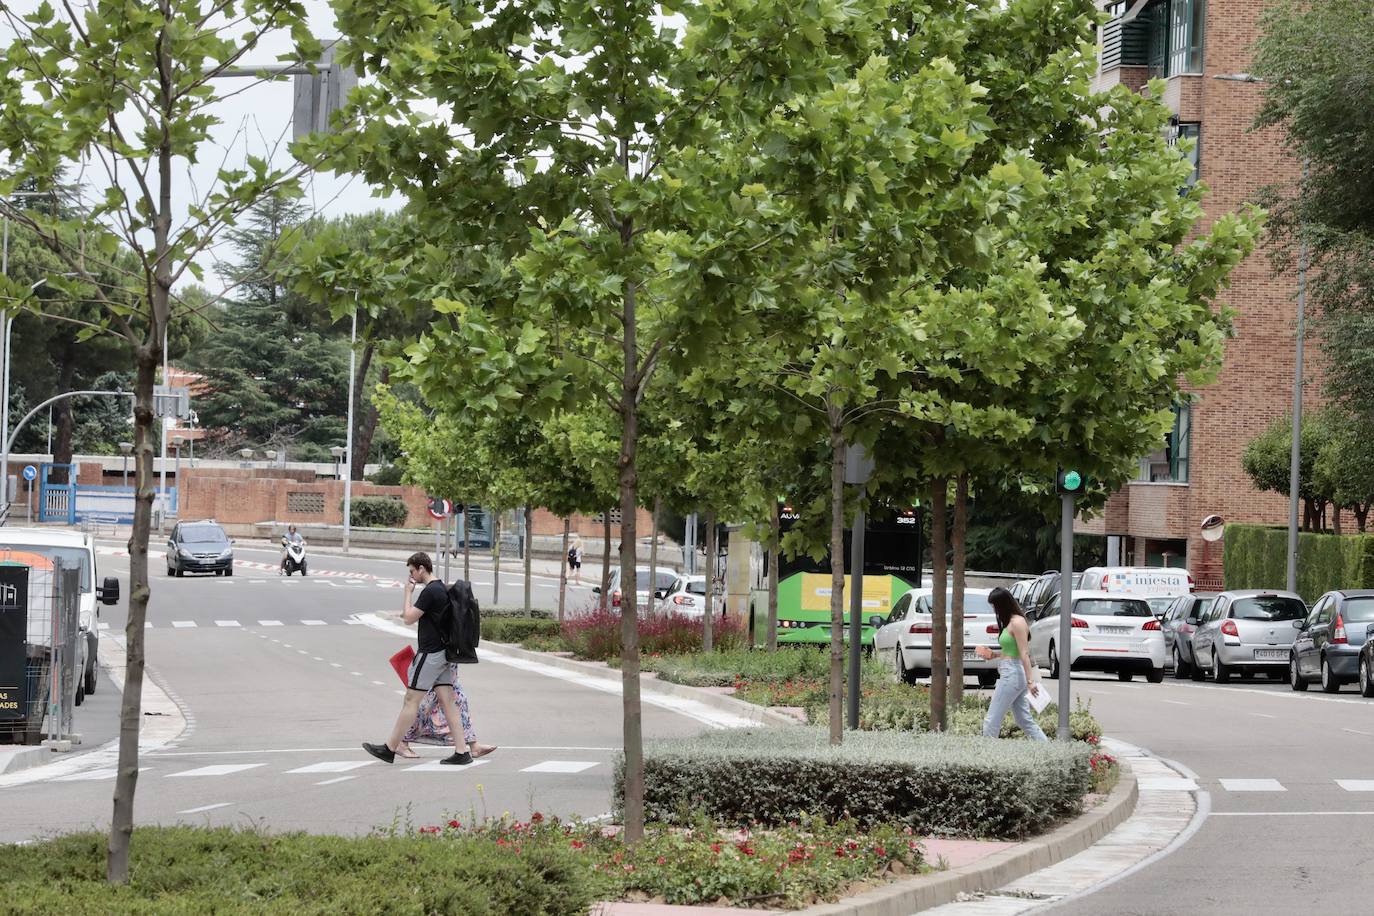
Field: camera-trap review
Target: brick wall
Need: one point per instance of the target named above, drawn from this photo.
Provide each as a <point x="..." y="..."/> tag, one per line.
<point x="246" y="497"/>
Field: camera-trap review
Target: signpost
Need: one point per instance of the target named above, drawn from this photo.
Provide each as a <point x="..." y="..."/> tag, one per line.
<point x="440" y="510"/>
<point x="30" y="472"/>
<point x="1069" y="485"/>
<point x="14" y="629"/>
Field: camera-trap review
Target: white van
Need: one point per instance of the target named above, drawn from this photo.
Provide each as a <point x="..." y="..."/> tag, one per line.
<point x="1145" y="581"/>
<point x="71" y="547"/>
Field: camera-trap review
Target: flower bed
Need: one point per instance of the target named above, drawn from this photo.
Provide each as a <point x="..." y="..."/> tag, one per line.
<point x="595" y="634"/>
<point x="934" y="784"/>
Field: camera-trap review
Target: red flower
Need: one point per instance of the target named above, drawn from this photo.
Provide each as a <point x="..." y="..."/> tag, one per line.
<point x="429" y="829"/>
<point x="502" y="842"/>
<point x="880" y="852"/>
<point x="536" y="818"/>
<point x="578" y="844"/>
<point x="661" y="860"/>
<point x="454" y="824"/>
<point x="745" y="848"/>
<point x="715" y="847"/>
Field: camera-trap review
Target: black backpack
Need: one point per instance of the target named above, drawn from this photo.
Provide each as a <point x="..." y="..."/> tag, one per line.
<point x="460" y="625"/>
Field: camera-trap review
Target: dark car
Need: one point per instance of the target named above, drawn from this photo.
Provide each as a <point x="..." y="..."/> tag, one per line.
<point x="1180" y="622"/>
<point x="199" y="547"/>
<point x="1329" y="642"/>
<point x="1043" y="592"/>
<point x="1366" y="674"/>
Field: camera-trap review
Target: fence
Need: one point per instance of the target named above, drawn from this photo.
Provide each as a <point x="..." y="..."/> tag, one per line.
<point x="41" y="647"/>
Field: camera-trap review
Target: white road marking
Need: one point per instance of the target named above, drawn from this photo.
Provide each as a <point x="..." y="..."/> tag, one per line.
<point x="270" y="623"/>
<point x="1262" y="715"/>
<point x="335" y="665"/>
<point x="1177" y="702"/>
<point x="330" y="782"/>
<point x="353" y="623"/>
<point x="1167" y="784"/>
<point x="218" y="769"/>
<point x="379" y="683"/>
<point x="356" y="673"/>
<point x="1292" y="813"/>
<point x="226" y="623"/>
<point x="314" y="623"/>
<point x="102" y="773"/>
<point x="1252" y="785"/>
<point x="205" y="808"/>
<point x="560" y="766"/>
<point x="302" y="652"/>
<point x="317" y="658"/>
<point x="1356" y="785"/>
<point x="182" y="624"/>
<point x="434" y="766"/>
<point x="332" y="766"/>
<point x="1356" y="731"/>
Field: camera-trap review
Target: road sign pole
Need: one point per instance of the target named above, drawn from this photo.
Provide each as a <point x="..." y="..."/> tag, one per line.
<point x="856" y="609"/>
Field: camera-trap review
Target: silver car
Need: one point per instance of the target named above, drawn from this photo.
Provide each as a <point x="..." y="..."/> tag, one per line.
<point x="1180" y="622"/>
<point x="1245" y="632"/>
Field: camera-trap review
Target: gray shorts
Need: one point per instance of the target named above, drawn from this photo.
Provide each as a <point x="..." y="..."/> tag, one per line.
<point x="429" y="670"/>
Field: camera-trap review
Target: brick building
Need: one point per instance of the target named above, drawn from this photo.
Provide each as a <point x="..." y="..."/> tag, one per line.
<point x="1197" y="472"/>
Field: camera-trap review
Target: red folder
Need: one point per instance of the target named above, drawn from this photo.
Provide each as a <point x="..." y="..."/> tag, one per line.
<point x="401" y="662"/>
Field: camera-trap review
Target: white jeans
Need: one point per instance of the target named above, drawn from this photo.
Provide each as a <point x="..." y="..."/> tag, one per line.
<point x="1010" y="694"/>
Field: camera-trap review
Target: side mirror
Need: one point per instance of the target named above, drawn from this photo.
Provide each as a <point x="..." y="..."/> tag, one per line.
<point x="877" y="620"/>
<point x="1301" y="625"/>
<point x="1369" y="631"/>
<point x="596" y="589"/>
<point x="109" y="591"/>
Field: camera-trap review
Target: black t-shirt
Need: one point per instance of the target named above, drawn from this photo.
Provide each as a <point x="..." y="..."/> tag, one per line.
<point x="432" y="600"/>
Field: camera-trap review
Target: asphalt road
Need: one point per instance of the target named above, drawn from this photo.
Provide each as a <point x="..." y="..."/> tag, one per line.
<point x="279" y="693"/>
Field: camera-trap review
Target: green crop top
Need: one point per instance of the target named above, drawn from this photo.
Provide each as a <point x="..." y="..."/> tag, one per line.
<point x="1008" y="643"/>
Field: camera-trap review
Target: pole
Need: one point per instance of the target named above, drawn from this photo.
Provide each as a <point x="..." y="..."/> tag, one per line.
<point x="690" y="560"/>
<point x="1065" y="651"/>
<point x="438" y="538"/>
<point x="448" y="542"/>
<point x="5" y="417"/>
<point x="1295" y="450"/>
<point x="162" y="419"/>
<point x="49" y="432"/>
<point x="856" y="607"/>
<point x="348" y="446"/>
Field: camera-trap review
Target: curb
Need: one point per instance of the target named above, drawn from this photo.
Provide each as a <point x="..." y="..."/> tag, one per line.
<point x="926" y="891"/>
<point x="32" y="757"/>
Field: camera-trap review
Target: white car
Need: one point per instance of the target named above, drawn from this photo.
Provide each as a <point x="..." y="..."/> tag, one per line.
<point x="1145" y="581"/>
<point x="1118" y="634"/>
<point x="687" y="596"/>
<point x="903" y="641"/>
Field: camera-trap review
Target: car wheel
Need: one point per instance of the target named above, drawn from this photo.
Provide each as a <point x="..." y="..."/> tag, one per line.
<point x="1181" y="668"/>
<point x="1220" y="672"/>
<point x="987" y="679"/>
<point x="170" y="571"/>
<point x="1295" y="680"/>
<point x="1155" y="675"/>
<point x="1329" y="682"/>
<point x="229" y="571"/>
<point x="906" y="674"/>
<point x="1197" y="672"/>
<point x="80" y="692"/>
<point x="1054" y="663"/>
<point x="90" y="678"/>
<point x="1366" y="682"/>
<point x="180" y="572"/>
<point x="1125" y="676"/>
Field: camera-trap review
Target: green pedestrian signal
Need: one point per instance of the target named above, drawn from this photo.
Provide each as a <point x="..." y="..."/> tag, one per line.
<point x="1070" y="483"/>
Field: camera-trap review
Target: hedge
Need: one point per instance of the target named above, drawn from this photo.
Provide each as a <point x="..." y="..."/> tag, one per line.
<point x="935" y="784"/>
<point x="1256" y="556"/>
<point x="176" y="870"/>
<point x="532" y="614"/>
<point x="516" y="629"/>
<point x="377" y="512"/>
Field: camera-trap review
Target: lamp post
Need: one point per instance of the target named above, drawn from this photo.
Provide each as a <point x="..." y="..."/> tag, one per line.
<point x="124" y="449"/>
<point x="1295" y="447"/>
<point x="348" y="446"/>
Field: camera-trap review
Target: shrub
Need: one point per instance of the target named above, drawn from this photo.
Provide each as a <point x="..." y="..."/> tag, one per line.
<point x="516" y="629"/>
<point x="535" y="613"/>
<point x="176" y="870"/>
<point x="595" y="634"/>
<point x="377" y="512"/>
<point x="1256" y="557"/>
<point x="935" y="784"/>
<point x="726" y="668"/>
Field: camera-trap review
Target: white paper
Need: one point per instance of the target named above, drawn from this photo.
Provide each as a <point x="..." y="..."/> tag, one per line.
<point x="1039" y="699"/>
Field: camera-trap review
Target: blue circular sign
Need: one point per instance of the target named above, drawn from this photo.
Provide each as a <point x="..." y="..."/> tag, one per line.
<point x="30" y="472"/>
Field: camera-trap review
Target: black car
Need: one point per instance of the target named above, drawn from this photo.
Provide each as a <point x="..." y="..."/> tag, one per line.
<point x="200" y="547"/>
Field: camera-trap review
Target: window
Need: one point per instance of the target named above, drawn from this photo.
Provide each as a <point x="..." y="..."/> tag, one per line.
<point x="1170" y="463"/>
<point x="1165" y="36"/>
<point x="1200" y="607"/>
<point x="1358" y="610"/>
<point x="899" y="609"/>
<point x="1190" y="131"/>
<point x="1104" y="607"/>
<point x="1185" y="35"/>
<point x="304" y="503"/>
<point x="1270" y="609"/>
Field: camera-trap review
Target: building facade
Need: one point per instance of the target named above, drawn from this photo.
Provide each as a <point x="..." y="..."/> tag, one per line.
<point x="1196" y="472"/>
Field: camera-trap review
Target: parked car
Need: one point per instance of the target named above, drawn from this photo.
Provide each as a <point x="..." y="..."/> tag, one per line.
<point x="1146" y="581"/>
<point x="664" y="580"/>
<point x="903" y="639"/>
<point x="1329" y="641"/>
<point x="1366" y="674"/>
<point x="1180" y="622"/>
<point x="1245" y="632"/>
<point x="200" y="547"/>
<point x="1113" y="633"/>
<point x="1044" y="590"/>
<point x="687" y="596"/>
<point x="1020" y="588"/>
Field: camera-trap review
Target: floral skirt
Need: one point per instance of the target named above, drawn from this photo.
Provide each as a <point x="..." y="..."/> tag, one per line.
<point x="431" y="727"/>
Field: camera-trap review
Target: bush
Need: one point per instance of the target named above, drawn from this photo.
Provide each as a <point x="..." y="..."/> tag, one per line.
<point x="176" y="870"/>
<point x="935" y="784"/>
<point x="1256" y="557"/>
<point x="516" y="629"/>
<point x="595" y="634"/>
<point x="535" y="613"/>
<point x="726" y="668"/>
<point x="377" y="512"/>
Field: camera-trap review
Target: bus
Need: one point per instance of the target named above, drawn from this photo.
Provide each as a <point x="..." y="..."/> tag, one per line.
<point x="893" y="551"/>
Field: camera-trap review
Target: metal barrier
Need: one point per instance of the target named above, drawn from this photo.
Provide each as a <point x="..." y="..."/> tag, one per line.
<point x="48" y="597"/>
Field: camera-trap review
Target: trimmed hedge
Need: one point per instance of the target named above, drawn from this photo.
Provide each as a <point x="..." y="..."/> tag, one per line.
<point x="377" y="512"/>
<point x="532" y="614"/>
<point x="935" y="784"/>
<point x="1256" y="556"/>
<point x="176" y="870"/>
<point x="515" y="629"/>
<point x="723" y="669"/>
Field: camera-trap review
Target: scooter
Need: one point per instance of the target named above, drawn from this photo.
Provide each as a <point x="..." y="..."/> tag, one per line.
<point x="294" y="558"/>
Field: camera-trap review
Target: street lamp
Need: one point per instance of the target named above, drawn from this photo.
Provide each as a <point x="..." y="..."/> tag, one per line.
<point x="352" y="381"/>
<point x="1295" y="448"/>
<point x="338" y="451"/>
<point x="125" y="448"/>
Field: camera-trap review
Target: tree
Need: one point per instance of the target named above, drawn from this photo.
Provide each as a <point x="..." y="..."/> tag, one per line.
<point x="130" y="86"/>
<point x="1345" y="465"/>
<point x="1267" y="462"/>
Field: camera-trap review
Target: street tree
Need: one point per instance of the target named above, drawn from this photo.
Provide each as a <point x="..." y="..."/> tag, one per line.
<point x="1267" y="463"/>
<point x="131" y="87"/>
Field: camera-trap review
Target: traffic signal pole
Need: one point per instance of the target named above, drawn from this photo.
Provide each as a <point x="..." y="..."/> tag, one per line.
<point x="1065" y="611"/>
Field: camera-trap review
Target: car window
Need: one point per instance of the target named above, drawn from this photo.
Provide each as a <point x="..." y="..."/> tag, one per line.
<point x="695" y="586"/>
<point x="203" y="534"/>
<point x="1321" y="613"/>
<point x="899" y="609"/>
<point x="1111" y="607"/>
<point x="1158" y="606"/>
<point x="1268" y="607"/>
<point x="1358" y="610"/>
<point x="1198" y="608"/>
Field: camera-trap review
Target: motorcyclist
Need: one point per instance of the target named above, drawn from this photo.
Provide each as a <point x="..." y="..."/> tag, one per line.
<point x="292" y="536"/>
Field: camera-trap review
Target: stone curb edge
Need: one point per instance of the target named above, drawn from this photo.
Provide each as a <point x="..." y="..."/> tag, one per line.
<point x="744" y="710"/>
<point x="905" y="897"/>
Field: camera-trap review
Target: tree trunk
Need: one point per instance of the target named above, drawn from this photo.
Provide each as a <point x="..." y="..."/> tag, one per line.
<point x="130" y="711"/>
<point x="1361" y="516"/>
<point x="653" y="557"/>
<point x="64" y="417"/>
<point x="956" y="611"/>
<point x="496" y="558"/>
<point x="1336" y="519"/>
<point x="836" y="578"/>
<point x="708" y="616"/>
<point x="367" y="418"/>
<point x="563" y="571"/>
<point x="467" y="543"/>
<point x="606" y="559"/>
<point x="939" y="584"/>
<point x="773" y="560"/>
<point x="628" y="479"/>
<point x="529" y="572"/>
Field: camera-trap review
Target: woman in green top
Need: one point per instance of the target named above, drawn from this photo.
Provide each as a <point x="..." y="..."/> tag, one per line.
<point x="1015" y="678"/>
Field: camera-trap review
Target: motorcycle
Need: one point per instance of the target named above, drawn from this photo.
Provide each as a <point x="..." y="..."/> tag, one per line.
<point x="294" y="557"/>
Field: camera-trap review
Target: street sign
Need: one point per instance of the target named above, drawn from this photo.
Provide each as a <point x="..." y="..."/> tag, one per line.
<point x="440" y="509"/>
<point x="172" y="402"/>
<point x="14" y="630"/>
<point x="30" y="472"/>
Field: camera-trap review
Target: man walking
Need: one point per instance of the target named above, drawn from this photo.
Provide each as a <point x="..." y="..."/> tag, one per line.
<point x="430" y="669"/>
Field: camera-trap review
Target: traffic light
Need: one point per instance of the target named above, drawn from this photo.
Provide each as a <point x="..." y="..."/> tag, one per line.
<point x="1070" y="483"/>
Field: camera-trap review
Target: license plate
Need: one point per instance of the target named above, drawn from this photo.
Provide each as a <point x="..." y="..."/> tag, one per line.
<point x="1115" y="631"/>
<point x="970" y="655"/>
<point x="1271" y="655"/>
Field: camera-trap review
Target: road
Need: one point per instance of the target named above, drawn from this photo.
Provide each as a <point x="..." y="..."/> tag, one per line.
<point x="279" y="690"/>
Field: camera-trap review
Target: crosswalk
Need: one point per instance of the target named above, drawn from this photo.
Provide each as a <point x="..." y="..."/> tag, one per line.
<point x="240" y="624"/>
<point x="311" y="581"/>
<point x="1249" y="784"/>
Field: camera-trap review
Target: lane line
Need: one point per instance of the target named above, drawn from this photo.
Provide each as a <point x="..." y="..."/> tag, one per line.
<point x="270" y="623"/>
<point x="1356" y="785"/>
<point x="227" y="623"/>
<point x="340" y="750"/>
<point x="330" y="782"/>
<point x="1356" y="731"/>
<point x="1292" y="813"/>
<point x="183" y="624"/>
<point x="1252" y="785"/>
<point x="205" y="808"/>
<point x="217" y="769"/>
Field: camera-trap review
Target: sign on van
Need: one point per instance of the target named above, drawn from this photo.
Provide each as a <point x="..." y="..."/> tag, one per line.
<point x="1138" y="580"/>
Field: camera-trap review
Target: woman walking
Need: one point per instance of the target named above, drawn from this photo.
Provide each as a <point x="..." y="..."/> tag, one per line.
<point x="575" y="559"/>
<point x="1015" y="677"/>
<point x="431" y="727"/>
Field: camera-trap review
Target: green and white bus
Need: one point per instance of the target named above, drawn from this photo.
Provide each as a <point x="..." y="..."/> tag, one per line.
<point x="893" y="551"/>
